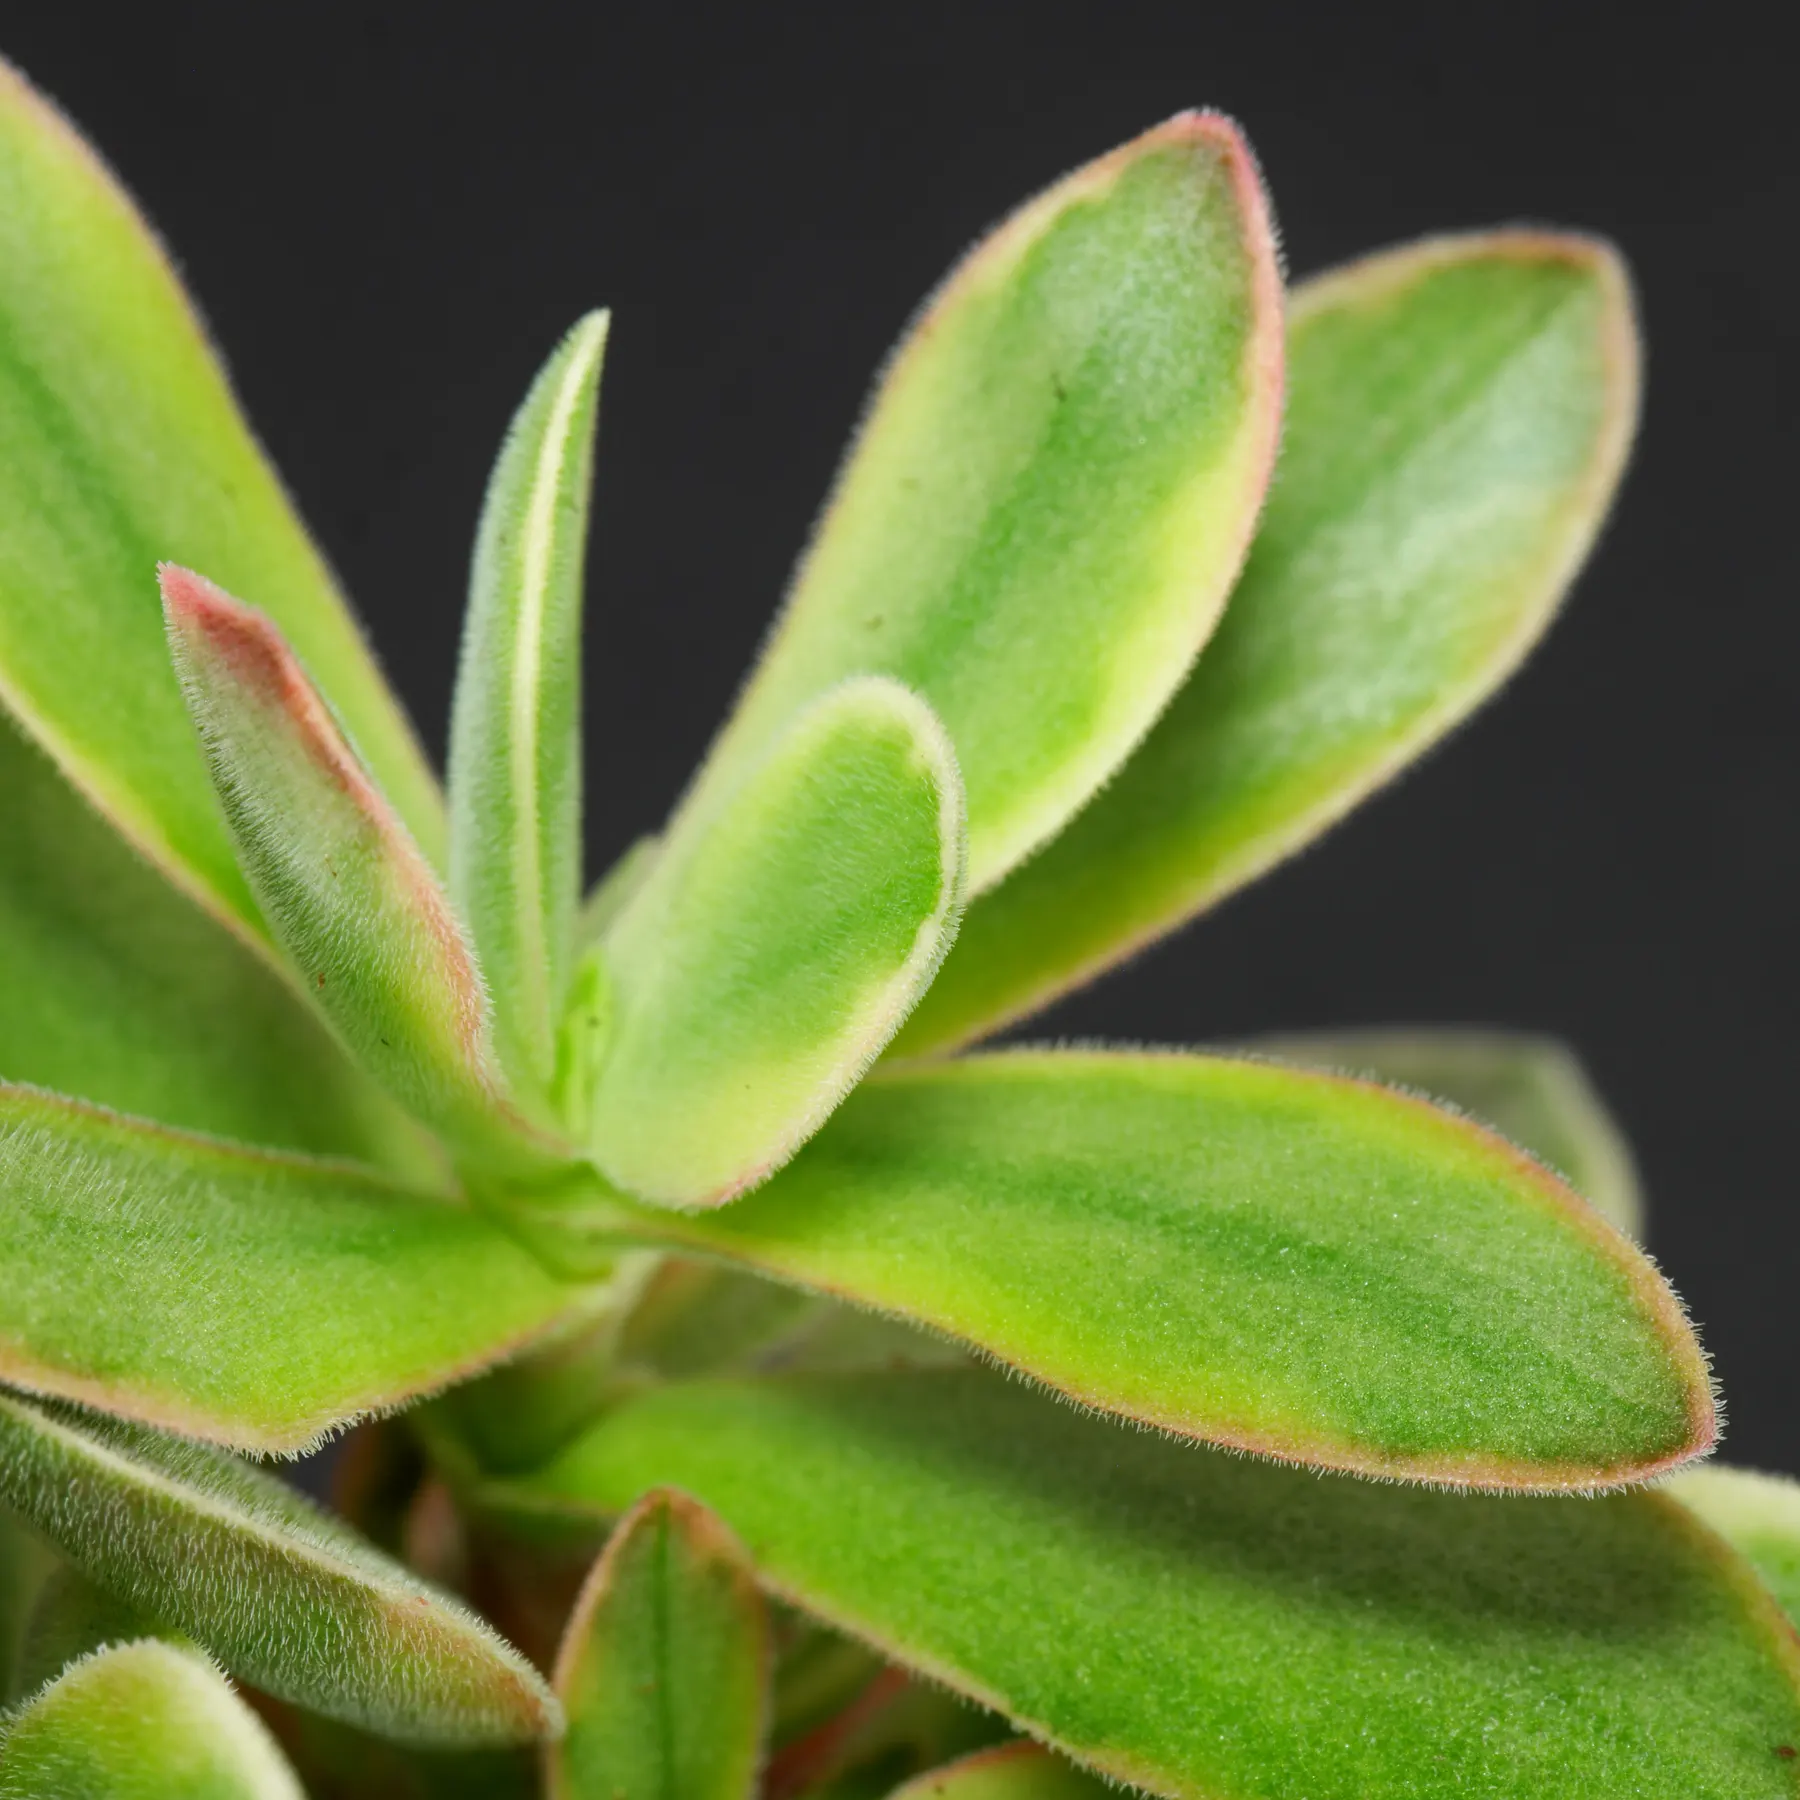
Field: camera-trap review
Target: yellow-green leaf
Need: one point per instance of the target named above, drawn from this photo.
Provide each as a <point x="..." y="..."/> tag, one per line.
<point x="1021" y="1771"/>
<point x="1758" y="1514"/>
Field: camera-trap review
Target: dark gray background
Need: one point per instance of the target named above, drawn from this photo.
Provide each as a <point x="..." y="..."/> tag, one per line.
<point x="389" y="218"/>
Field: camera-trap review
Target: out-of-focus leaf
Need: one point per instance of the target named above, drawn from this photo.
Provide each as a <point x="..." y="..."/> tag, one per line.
<point x="515" y="730"/>
<point x="71" y="1618"/>
<point x="664" y="1672"/>
<point x="776" y="945"/>
<point x="1758" y="1514"/>
<point x="1009" y="1772"/>
<point x="142" y="1721"/>
<point x="1533" y="1089"/>
<point x="281" y="1593"/>
<point x="121" y="444"/>
<point x="608" y="896"/>
<point x="121" y="991"/>
<point x="240" y="1295"/>
<point x="1207" y="1625"/>
<point x="346" y="891"/>
<point x="1312" y="1268"/>
<point x="26" y="1563"/>
<point x="1458" y="419"/>
<point x="1055" y="487"/>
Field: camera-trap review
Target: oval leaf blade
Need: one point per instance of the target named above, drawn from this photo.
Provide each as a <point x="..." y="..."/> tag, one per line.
<point x="240" y="1295"/>
<point x="1306" y="1267"/>
<point x="282" y="1594"/>
<point x="1058" y="478"/>
<point x="1213" y="1627"/>
<point x="1758" y="1515"/>
<point x="773" y="948"/>
<point x="664" y="1669"/>
<point x="121" y="444"/>
<point x="515" y="727"/>
<point x="1458" y="420"/>
<point x="142" y="1721"/>
<point x="1021" y="1771"/>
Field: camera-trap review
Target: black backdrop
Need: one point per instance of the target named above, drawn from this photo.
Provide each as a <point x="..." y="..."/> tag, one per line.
<point x="389" y="217"/>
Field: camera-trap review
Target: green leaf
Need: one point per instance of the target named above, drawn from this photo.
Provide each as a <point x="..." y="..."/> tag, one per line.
<point x="121" y="445"/>
<point x="72" y="1618"/>
<point x="775" y="946"/>
<point x="144" y="1721"/>
<point x="250" y="1297"/>
<point x="1306" y="1267"/>
<point x="1532" y="1089"/>
<point x="515" y="730"/>
<point x="664" y="1670"/>
<point x="283" y="1595"/>
<point x="121" y="991"/>
<point x="26" y="1563"/>
<point x="1759" y="1515"/>
<point x="346" y="891"/>
<point x="607" y="898"/>
<point x="1458" y="420"/>
<point x="1055" y="486"/>
<point x="1008" y="1772"/>
<point x="1212" y="1626"/>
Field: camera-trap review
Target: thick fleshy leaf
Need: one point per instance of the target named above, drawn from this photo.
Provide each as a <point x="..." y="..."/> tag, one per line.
<point x="1295" y="1264"/>
<point x="72" y="1617"/>
<point x="1532" y="1089"/>
<point x="1758" y="1514"/>
<point x="1215" y="1627"/>
<point x="1011" y="1772"/>
<point x="249" y="1297"/>
<point x="122" y="991"/>
<point x="515" y="730"/>
<point x="775" y="946"/>
<point x="1055" y="486"/>
<point x="142" y="1721"/>
<point x="664" y="1671"/>
<point x="282" y="1594"/>
<point x="1457" y="422"/>
<point x="346" y="891"/>
<point x="121" y="444"/>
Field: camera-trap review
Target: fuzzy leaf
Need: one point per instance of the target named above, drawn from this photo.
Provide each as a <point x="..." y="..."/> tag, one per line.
<point x="1058" y="478"/>
<point x="1532" y="1089"/>
<point x="1759" y="1515"/>
<point x="72" y="1618"/>
<point x="1019" y="1771"/>
<point x="121" y="444"/>
<point x="281" y="1593"/>
<point x="1306" y="1267"/>
<point x="664" y="1670"/>
<point x="249" y="1297"/>
<point x="515" y="730"/>
<point x="122" y="991"/>
<point x="142" y="1721"/>
<point x="1458" y="419"/>
<point x="345" y="890"/>
<point x="1212" y="1626"/>
<point x="775" y="946"/>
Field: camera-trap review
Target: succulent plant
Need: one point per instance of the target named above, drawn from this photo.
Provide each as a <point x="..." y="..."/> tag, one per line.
<point x="983" y="1425"/>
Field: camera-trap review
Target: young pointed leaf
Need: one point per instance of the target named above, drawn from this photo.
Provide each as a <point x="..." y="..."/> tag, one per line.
<point x="1217" y="1628"/>
<point x="1759" y="1515"/>
<point x="1021" y="1771"/>
<point x="515" y="729"/>
<point x="240" y="1295"/>
<point x="1056" y="483"/>
<point x="1531" y="1089"/>
<point x="282" y="1594"/>
<point x="1457" y="422"/>
<point x="607" y="898"/>
<point x="664" y="1669"/>
<point x="776" y="945"/>
<point x="1307" y="1267"/>
<point x="142" y="1721"/>
<point x="346" y="891"/>
<point x="121" y="444"/>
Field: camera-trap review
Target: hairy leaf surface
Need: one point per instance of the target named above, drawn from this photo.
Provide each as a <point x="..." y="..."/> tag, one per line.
<point x="515" y="729"/>
<point x="1309" y="1267"/>
<point x="664" y="1670"/>
<point x="1211" y="1626"/>
<point x="121" y="445"/>
<point x="1055" y="486"/>
<point x="1458" y="419"/>
<point x="774" y="947"/>
<point x="1021" y="1771"/>
<point x="142" y="1721"/>
<point x="72" y="1617"/>
<point x="282" y="1594"/>
<point x="239" y="1295"/>
<point x="1758" y="1514"/>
